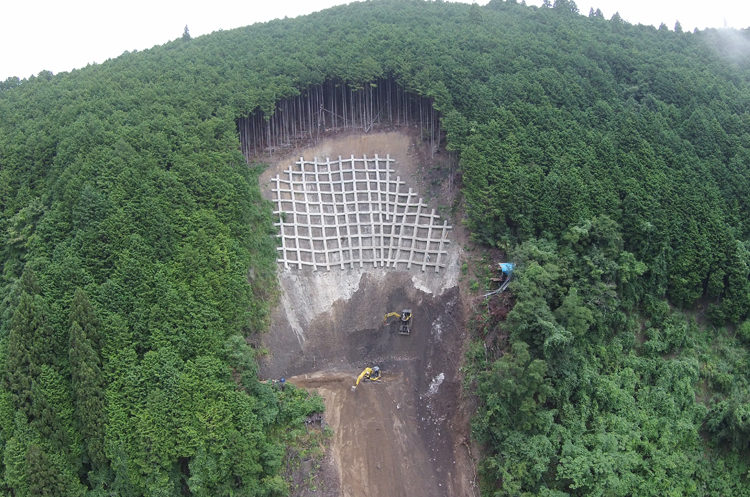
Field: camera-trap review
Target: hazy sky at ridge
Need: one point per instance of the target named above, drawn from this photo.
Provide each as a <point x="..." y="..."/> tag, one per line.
<point x="62" y="35"/>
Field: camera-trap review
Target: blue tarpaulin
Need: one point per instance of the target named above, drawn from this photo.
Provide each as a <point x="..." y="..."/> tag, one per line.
<point x="507" y="267"/>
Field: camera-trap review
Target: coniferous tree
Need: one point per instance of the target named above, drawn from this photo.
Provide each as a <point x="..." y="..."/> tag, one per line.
<point x="46" y="421"/>
<point x="82" y="312"/>
<point x="29" y="346"/>
<point x="85" y="368"/>
<point x="18" y="365"/>
<point x="42" y="477"/>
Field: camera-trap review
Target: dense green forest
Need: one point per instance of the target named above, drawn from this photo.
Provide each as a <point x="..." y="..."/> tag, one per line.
<point x="611" y="161"/>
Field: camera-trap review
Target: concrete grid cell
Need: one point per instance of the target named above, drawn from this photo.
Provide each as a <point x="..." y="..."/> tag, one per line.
<point x="350" y="212"/>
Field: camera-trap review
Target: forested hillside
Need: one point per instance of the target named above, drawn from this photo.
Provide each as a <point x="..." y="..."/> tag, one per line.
<point x="610" y="160"/>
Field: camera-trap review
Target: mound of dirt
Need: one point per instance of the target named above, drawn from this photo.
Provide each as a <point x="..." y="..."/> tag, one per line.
<point x="404" y="435"/>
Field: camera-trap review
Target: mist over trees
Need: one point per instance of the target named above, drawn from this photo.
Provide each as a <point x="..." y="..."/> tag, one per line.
<point x="610" y="161"/>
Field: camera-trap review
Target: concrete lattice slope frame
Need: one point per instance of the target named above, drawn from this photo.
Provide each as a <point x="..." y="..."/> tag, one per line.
<point x="352" y="212"/>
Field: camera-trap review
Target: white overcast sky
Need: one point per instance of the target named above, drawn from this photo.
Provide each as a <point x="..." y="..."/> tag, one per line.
<point x="59" y="35"/>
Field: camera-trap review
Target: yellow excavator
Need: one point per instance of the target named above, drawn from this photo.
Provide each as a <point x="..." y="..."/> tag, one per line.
<point x="405" y="317"/>
<point x="369" y="374"/>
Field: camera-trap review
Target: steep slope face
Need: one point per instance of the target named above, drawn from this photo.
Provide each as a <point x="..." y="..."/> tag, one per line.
<point x="398" y="437"/>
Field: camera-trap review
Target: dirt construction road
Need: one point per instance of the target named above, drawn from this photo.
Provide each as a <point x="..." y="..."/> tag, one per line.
<point x="376" y="436"/>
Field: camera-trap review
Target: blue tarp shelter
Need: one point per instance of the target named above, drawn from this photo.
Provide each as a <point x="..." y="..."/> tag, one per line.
<point x="507" y="267"/>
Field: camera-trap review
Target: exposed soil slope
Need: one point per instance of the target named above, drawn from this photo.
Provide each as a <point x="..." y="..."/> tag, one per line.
<point x="403" y="436"/>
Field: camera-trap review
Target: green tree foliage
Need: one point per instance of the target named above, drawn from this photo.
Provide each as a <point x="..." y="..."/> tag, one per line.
<point x="137" y="253"/>
<point x="30" y="343"/>
<point x="86" y="377"/>
<point x="588" y="401"/>
<point x="42" y="476"/>
<point x="614" y="157"/>
<point x="515" y="392"/>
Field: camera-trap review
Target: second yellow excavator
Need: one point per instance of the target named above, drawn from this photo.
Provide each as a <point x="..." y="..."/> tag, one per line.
<point x="405" y="317"/>
<point x="371" y="374"/>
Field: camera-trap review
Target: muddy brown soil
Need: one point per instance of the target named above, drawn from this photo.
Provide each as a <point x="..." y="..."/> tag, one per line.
<point x="406" y="435"/>
<point x="385" y="449"/>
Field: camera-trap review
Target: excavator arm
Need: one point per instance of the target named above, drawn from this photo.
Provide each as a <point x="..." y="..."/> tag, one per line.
<point x="367" y="374"/>
<point x="385" y="319"/>
<point x="364" y="374"/>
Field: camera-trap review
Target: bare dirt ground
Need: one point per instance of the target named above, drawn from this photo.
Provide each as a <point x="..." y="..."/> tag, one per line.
<point x="407" y="434"/>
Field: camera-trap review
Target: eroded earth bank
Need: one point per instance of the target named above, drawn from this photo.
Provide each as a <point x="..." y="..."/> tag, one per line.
<point x="405" y="435"/>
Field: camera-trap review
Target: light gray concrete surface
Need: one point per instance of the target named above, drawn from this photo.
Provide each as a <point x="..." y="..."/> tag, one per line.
<point x="355" y="212"/>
